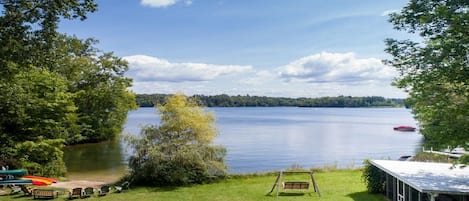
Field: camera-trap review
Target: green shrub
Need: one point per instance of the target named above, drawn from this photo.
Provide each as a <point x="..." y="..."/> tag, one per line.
<point x="43" y="158"/>
<point x="178" y="150"/>
<point x="186" y="166"/>
<point x="432" y="157"/>
<point x="464" y="159"/>
<point x="374" y="178"/>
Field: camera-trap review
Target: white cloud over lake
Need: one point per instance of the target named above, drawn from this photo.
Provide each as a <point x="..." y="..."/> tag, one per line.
<point x="322" y="74"/>
<point x="344" y="68"/>
<point x="147" y="69"/>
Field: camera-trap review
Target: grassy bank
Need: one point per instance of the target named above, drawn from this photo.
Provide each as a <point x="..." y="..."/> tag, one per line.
<point x="341" y="185"/>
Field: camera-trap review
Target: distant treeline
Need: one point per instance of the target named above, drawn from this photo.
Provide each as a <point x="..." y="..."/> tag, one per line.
<point x="150" y="100"/>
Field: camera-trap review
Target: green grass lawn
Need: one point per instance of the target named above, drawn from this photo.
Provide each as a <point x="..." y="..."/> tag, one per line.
<point x="340" y="185"/>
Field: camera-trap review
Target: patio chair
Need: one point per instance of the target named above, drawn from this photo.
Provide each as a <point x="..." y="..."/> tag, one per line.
<point x="75" y="193"/>
<point x="122" y="187"/>
<point x="103" y="190"/>
<point x="88" y="192"/>
<point x="15" y="190"/>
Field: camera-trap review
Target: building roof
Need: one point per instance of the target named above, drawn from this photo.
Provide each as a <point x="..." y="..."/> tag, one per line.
<point x="428" y="177"/>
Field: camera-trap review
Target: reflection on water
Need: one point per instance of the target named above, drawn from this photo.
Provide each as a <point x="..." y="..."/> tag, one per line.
<point x="98" y="161"/>
<point x="266" y="139"/>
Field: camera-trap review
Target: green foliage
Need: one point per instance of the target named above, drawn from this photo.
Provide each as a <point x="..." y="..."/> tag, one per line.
<point x="35" y="103"/>
<point x="183" y="122"/>
<point x="54" y="86"/>
<point x="44" y="157"/>
<point x="435" y="70"/>
<point x="432" y="157"/>
<point x="102" y="98"/>
<point x="178" y="151"/>
<point x="150" y="100"/>
<point x="464" y="159"/>
<point x="374" y="178"/>
<point x="29" y="31"/>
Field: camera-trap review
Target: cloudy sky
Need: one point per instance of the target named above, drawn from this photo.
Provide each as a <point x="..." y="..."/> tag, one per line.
<point x="297" y="48"/>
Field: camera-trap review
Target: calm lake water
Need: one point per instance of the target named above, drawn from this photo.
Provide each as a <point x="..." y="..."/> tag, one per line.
<point x="275" y="138"/>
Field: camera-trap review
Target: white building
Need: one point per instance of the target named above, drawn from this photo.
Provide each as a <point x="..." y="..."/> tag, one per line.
<point x="424" y="181"/>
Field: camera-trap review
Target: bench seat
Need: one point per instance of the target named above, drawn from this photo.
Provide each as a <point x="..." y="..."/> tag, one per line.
<point x="45" y="193"/>
<point x="295" y="185"/>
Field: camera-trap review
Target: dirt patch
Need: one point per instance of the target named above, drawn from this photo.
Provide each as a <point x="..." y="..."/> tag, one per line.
<point x="78" y="183"/>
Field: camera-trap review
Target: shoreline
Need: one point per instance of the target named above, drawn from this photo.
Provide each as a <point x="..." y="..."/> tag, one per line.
<point x="78" y="184"/>
<point x="93" y="179"/>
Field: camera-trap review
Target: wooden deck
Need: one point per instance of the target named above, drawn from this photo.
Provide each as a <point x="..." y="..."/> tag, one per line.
<point x="452" y="155"/>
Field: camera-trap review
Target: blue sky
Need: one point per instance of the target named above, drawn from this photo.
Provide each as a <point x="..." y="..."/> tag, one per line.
<point x="298" y="48"/>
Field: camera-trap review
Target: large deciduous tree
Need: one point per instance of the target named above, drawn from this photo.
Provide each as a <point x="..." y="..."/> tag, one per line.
<point x="178" y="151"/>
<point x="102" y="98"/>
<point x="55" y="88"/>
<point x="28" y="31"/>
<point x="435" y="69"/>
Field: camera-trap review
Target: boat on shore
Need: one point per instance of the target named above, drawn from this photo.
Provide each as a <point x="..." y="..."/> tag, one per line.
<point x="16" y="182"/>
<point x="13" y="172"/>
<point x="404" y="128"/>
<point x="16" y="177"/>
<point x="38" y="181"/>
<point x="456" y="150"/>
<point x="51" y="180"/>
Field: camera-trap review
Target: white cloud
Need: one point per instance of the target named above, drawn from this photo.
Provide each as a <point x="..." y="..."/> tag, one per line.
<point x="146" y="68"/>
<point x="337" y="68"/>
<point x="260" y="77"/>
<point x="324" y="74"/>
<point x="162" y="3"/>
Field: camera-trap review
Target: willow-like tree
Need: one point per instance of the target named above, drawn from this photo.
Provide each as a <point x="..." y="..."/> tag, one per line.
<point x="178" y="150"/>
<point x="435" y="69"/>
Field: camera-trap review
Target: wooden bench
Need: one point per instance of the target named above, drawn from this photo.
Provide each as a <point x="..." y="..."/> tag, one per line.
<point x="295" y="185"/>
<point x="45" y="193"/>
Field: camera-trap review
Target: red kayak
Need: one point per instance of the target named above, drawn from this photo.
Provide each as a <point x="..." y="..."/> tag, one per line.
<point x="43" y="178"/>
<point x="404" y="128"/>
<point x="40" y="181"/>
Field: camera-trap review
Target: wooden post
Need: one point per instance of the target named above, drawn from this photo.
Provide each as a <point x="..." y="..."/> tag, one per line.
<point x="279" y="180"/>
<point x="276" y="183"/>
<point x="315" y="185"/>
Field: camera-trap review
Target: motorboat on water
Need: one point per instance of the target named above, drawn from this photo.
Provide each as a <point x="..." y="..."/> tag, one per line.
<point x="456" y="150"/>
<point x="404" y="128"/>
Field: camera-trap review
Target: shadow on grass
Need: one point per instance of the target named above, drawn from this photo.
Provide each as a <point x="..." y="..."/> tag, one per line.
<point x="289" y="194"/>
<point x="164" y="189"/>
<point x="360" y="196"/>
<point x="14" y="196"/>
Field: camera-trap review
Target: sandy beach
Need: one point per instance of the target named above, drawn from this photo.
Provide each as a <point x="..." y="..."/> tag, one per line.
<point x="88" y="179"/>
<point x="78" y="183"/>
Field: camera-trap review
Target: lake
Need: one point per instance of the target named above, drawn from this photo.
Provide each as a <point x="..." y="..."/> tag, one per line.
<point x="262" y="139"/>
